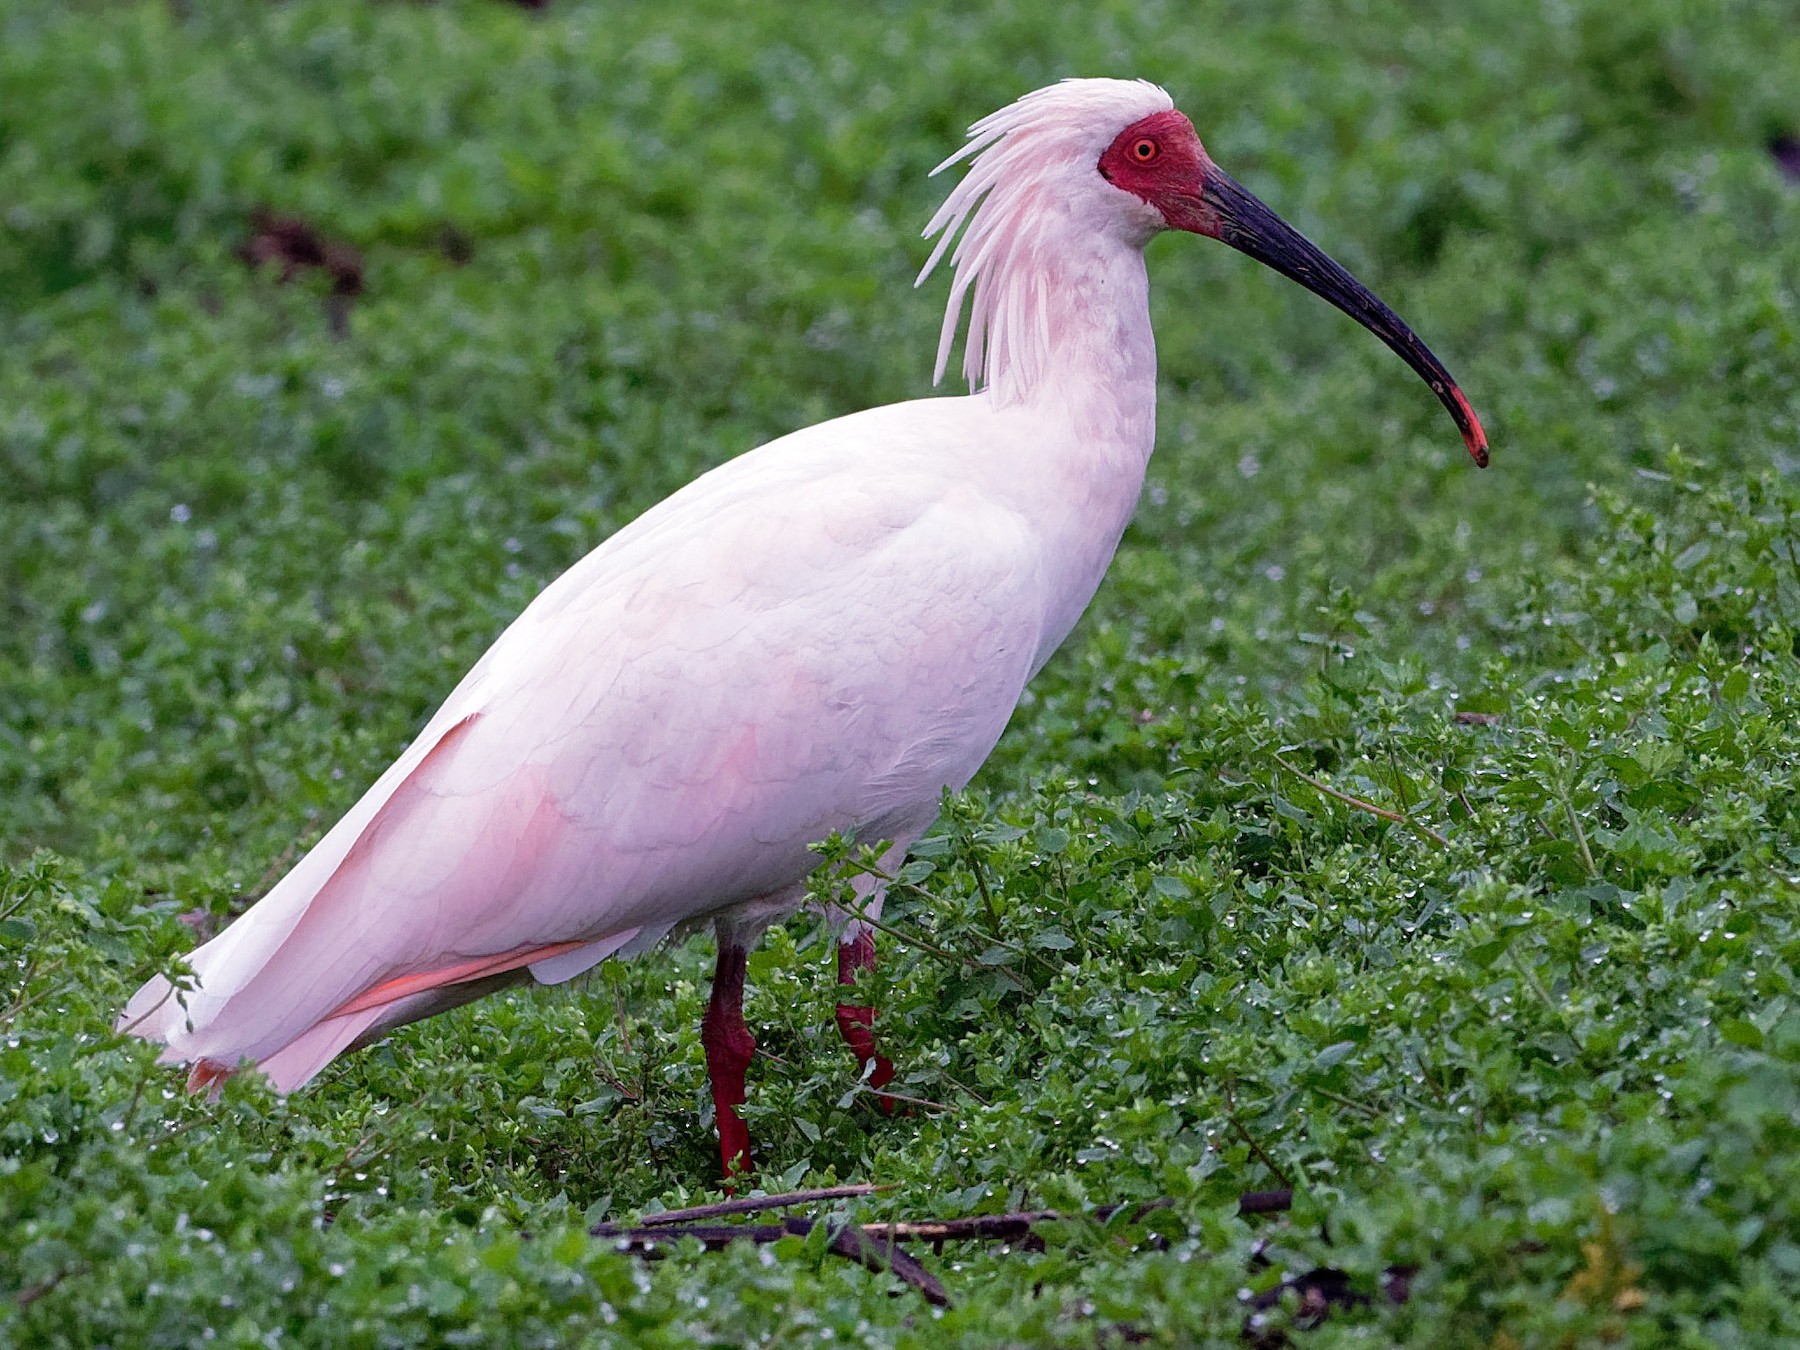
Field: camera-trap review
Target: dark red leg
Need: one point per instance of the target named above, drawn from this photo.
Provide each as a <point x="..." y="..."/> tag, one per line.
<point x="856" y="1022"/>
<point x="729" y="1046"/>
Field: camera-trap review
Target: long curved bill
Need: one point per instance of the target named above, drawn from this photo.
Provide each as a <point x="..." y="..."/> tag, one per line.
<point x="1250" y="227"/>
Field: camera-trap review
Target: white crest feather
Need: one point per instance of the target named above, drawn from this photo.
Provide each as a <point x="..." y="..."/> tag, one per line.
<point x="1022" y="157"/>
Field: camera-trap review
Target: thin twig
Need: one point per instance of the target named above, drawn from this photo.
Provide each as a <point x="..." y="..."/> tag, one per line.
<point x="31" y="1293"/>
<point x="967" y="962"/>
<point x="850" y="1241"/>
<point x="675" y="1225"/>
<point x="1002" y="1227"/>
<point x="987" y="896"/>
<point x="16" y="906"/>
<point x="182" y="1128"/>
<point x="712" y="1236"/>
<point x="48" y="991"/>
<point x="29" y="973"/>
<point x="1587" y="854"/>
<point x="1256" y="1148"/>
<point x="994" y="938"/>
<point x="964" y="1087"/>
<point x="612" y="1080"/>
<point x="137" y="1095"/>
<point x="1531" y="981"/>
<point x="1350" y="1102"/>
<point x="134" y="1023"/>
<point x="756" y="1204"/>
<point x="847" y="1240"/>
<point x="1399" y="778"/>
<point x="270" y="875"/>
<point x="619" y="1006"/>
<point x="890" y="883"/>
<point x="942" y="953"/>
<point x="337" y="1175"/>
<point x="1529" y="978"/>
<point x="1361" y="805"/>
<point x="925" y="1102"/>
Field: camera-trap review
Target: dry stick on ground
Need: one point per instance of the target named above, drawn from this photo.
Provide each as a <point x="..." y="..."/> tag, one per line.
<point x="847" y="1240"/>
<point x="981" y="1226"/>
<point x="854" y="1242"/>
<point x="755" y="1204"/>
<point x="873" y="1245"/>
<point x="1000" y="1227"/>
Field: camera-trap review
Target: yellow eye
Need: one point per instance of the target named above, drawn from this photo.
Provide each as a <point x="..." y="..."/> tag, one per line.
<point x="1144" y="151"/>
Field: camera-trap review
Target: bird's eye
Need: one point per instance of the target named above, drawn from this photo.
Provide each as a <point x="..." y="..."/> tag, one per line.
<point x="1144" y="151"/>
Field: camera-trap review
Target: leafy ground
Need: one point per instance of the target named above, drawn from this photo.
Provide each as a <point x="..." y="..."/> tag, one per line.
<point x="1538" y="1038"/>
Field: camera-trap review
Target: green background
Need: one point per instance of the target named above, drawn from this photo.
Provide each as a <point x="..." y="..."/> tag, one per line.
<point x="251" y="533"/>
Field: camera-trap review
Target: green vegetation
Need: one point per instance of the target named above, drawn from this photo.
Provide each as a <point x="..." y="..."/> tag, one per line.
<point x="250" y="533"/>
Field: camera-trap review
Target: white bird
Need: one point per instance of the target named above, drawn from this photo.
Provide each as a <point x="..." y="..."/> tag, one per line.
<point x="820" y="635"/>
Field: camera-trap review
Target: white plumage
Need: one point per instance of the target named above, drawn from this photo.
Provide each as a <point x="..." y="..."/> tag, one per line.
<point x="820" y="635"/>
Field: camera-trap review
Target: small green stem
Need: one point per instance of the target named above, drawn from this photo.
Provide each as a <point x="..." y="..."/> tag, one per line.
<point x="1581" y="843"/>
<point x="1361" y="805"/>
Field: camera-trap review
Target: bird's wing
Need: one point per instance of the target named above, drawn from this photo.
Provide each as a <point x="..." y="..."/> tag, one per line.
<point x="817" y="640"/>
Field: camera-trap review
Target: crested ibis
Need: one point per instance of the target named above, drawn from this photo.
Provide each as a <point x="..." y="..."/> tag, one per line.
<point x="820" y="635"/>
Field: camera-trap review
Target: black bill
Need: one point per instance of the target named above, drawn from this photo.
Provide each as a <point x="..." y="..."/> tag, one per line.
<point x="1250" y="227"/>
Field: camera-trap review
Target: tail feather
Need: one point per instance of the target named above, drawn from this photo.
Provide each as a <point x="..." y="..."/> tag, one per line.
<point x="368" y="931"/>
<point x="302" y="944"/>
<point x="299" y="1061"/>
<point x="370" y="1014"/>
<point x="153" y="1013"/>
<point x="462" y="972"/>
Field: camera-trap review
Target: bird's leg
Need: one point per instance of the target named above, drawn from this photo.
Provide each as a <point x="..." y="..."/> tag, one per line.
<point x="856" y="1022"/>
<point x="729" y="1046"/>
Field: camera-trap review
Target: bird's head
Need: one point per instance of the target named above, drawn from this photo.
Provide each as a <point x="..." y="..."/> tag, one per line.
<point x="1122" y="148"/>
<point x="1159" y="160"/>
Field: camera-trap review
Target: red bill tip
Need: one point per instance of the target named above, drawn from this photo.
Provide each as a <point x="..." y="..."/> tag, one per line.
<point x="1473" y="436"/>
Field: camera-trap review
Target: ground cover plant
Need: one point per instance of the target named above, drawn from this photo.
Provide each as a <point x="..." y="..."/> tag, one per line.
<point x="1417" y="838"/>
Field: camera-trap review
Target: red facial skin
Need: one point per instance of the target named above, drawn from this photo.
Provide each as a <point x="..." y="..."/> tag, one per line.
<point x="1160" y="159"/>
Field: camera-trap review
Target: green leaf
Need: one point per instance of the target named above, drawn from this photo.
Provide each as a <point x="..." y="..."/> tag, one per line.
<point x="1483" y="955"/>
<point x="1693" y="555"/>
<point x="1740" y="1032"/>
<point x="1333" y="1055"/>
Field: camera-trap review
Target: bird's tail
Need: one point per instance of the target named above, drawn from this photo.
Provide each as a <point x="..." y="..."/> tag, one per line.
<point x="311" y="968"/>
<point x="159" y="1012"/>
<point x="354" y="940"/>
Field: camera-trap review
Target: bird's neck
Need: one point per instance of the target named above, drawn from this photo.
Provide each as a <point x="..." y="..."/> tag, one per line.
<point x="1084" y="352"/>
<point x="1088" y="409"/>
